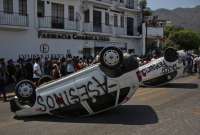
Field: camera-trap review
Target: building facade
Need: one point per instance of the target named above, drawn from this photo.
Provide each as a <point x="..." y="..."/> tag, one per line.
<point x="55" y="28"/>
<point x="155" y="34"/>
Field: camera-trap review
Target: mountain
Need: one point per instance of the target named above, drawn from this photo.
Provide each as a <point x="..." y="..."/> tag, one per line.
<point x="188" y="18"/>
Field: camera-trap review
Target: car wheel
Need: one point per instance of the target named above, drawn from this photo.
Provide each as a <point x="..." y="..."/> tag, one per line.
<point x="44" y="79"/>
<point x="171" y="55"/>
<point x="111" y="57"/>
<point x="25" y="91"/>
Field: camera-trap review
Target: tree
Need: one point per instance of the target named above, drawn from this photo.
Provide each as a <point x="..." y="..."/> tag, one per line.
<point x="148" y="12"/>
<point x="143" y="4"/>
<point x="185" y="39"/>
<point x="171" y="29"/>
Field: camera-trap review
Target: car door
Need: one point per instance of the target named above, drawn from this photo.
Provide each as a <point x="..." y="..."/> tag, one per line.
<point x="97" y="91"/>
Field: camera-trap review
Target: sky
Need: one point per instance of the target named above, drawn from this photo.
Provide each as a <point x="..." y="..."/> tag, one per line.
<point x="171" y="4"/>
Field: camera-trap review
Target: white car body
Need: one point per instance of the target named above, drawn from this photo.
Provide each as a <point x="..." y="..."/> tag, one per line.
<point x="83" y="92"/>
<point x="159" y="72"/>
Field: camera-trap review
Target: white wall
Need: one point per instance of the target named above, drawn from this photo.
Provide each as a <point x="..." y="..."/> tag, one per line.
<point x="13" y="43"/>
<point x="27" y="42"/>
<point x="155" y="31"/>
<point x="1" y="5"/>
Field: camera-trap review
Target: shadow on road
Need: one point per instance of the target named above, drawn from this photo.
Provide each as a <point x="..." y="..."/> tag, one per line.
<point x="181" y="85"/>
<point x="126" y="114"/>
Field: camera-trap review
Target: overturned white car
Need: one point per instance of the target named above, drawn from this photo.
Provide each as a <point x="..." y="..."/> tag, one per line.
<point x="95" y="89"/>
<point x="164" y="69"/>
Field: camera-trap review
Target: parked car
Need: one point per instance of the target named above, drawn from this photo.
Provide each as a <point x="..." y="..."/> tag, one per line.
<point x="163" y="70"/>
<point x="103" y="86"/>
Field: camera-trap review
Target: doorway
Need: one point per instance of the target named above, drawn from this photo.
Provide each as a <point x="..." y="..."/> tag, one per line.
<point x="57" y="20"/>
<point x="97" y="27"/>
<point x="130" y="25"/>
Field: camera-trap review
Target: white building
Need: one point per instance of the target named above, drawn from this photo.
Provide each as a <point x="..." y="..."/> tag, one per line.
<point x="54" y="28"/>
<point x="154" y="33"/>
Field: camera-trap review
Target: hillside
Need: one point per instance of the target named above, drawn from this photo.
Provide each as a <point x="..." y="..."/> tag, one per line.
<point x="188" y="18"/>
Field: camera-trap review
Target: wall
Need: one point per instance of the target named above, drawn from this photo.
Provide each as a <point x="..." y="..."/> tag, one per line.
<point x="155" y="31"/>
<point x="27" y="42"/>
<point x="14" y="43"/>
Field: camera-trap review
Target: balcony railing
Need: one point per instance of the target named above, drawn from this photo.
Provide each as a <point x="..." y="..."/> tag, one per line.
<point x="129" y="4"/>
<point x="58" y="23"/>
<point x="105" y="29"/>
<point x="105" y="1"/>
<point x="13" y="19"/>
<point x="119" y="30"/>
<point x="102" y="28"/>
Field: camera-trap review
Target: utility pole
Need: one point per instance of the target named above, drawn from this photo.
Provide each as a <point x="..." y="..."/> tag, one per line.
<point x="143" y="4"/>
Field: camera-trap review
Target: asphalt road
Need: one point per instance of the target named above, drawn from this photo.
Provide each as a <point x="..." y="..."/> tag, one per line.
<point x="173" y="109"/>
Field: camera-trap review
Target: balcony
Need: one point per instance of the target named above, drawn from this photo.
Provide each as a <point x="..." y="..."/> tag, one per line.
<point x="101" y="2"/>
<point x="58" y="23"/>
<point x="128" y="5"/>
<point x="154" y="32"/>
<point x="103" y="28"/>
<point x="105" y="1"/>
<point x="13" y="21"/>
<point x="118" y="31"/>
<point x="109" y="30"/>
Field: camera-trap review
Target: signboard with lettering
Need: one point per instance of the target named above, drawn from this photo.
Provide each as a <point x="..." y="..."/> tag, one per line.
<point x="75" y="36"/>
<point x="44" y="48"/>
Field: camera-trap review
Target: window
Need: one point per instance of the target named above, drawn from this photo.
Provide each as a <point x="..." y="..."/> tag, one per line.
<point x="57" y="10"/>
<point x="87" y="52"/>
<point x="130" y="4"/>
<point x="8" y="6"/>
<point x="122" y="21"/>
<point x="130" y="26"/>
<point x="87" y="16"/>
<point x="41" y="8"/>
<point x="71" y="13"/>
<point x="115" y="21"/>
<point x="23" y="7"/>
<point x="57" y="15"/>
<point x="107" y="18"/>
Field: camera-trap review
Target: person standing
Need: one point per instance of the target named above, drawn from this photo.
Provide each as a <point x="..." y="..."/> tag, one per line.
<point x="198" y="65"/>
<point x="3" y="80"/>
<point x="37" y="73"/>
<point x="62" y="67"/>
<point x="29" y="70"/>
<point x="11" y="71"/>
<point x="70" y="67"/>
<point x="56" y="72"/>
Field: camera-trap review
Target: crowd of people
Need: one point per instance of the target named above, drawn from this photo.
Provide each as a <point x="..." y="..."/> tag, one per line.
<point x="33" y="69"/>
<point x="11" y="72"/>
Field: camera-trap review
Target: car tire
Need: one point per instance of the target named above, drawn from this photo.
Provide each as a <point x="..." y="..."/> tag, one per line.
<point x="44" y="79"/>
<point x="170" y="55"/>
<point x="111" y="57"/>
<point x="25" y="91"/>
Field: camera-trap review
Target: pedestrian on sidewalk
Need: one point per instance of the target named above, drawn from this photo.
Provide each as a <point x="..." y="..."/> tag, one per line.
<point x="37" y="73"/>
<point x="198" y="65"/>
<point x="3" y="79"/>
<point x="56" y="72"/>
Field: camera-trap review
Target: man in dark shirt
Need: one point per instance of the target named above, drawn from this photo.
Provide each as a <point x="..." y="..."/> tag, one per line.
<point x="2" y="79"/>
<point x="11" y="72"/>
<point x="29" y="70"/>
